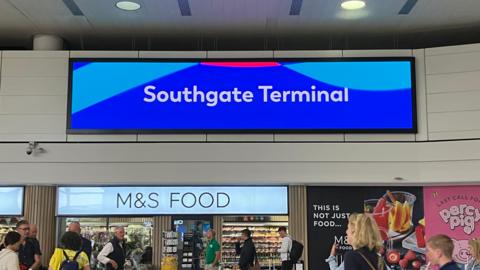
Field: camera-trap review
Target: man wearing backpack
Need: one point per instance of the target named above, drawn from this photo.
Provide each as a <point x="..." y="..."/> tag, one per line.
<point x="70" y="256"/>
<point x="285" y="249"/>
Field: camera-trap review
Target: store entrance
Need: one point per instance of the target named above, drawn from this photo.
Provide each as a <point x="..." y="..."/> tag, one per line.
<point x="191" y="231"/>
<point x="138" y="236"/>
<point x="186" y="244"/>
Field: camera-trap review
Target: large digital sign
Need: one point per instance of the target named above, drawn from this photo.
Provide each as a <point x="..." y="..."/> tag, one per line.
<point x="241" y="95"/>
<point x="92" y="201"/>
<point x="12" y="201"/>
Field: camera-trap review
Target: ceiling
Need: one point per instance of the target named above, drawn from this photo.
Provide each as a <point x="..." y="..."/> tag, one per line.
<point x="247" y="24"/>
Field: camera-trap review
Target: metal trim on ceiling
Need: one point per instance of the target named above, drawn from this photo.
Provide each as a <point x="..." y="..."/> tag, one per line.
<point x="184" y="6"/>
<point x="296" y="7"/>
<point x="407" y="7"/>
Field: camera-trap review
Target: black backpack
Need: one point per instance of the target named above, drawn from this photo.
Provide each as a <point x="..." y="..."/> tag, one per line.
<point x="296" y="251"/>
<point x="68" y="264"/>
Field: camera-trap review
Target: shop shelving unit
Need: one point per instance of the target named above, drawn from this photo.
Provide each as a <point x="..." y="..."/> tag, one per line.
<point x="266" y="239"/>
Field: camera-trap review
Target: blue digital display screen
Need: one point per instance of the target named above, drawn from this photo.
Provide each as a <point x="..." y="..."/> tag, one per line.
<point x="289" y="95"/>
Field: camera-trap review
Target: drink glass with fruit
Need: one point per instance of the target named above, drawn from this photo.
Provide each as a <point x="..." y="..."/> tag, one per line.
<point x="379" y="209"/>
<point x="401" y="212"/>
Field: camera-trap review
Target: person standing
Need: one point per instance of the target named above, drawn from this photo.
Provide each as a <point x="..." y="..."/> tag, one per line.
<point x="8" y="255"/>
<point x="212" y="252"/>
<point x="332" y="259"/>
<point x="33" y="231"/>
<point x="32" y="235"/>
<point x="71" y="250"/>
<point x="86" y="244"/>
<point x="113" y="254"/>
<point x="197" y="249"/>
<point x="29" y="254"/>
<point x="364" y="236"/>
<point x="474" y="260"/>
<point x="246" y="251"/>
<point x="285" y="249"/>
<point x="440" y="252"/>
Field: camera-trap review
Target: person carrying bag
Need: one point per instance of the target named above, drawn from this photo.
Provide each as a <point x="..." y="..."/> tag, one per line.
<point x="248" y="255"/>
<point x="70" y="256"/>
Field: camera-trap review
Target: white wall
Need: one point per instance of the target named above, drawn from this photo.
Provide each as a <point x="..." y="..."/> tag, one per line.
<point x="453" y="88"/>
<point x="243" y="163"/>
<point x="33" y="93"/>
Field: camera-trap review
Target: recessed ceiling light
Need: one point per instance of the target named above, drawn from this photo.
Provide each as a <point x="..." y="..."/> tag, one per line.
<point x="353" y="4"/>
<point x="127" y="5"/>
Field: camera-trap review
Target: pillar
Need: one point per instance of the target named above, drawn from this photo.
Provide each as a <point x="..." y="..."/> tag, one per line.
<point x="160" y="224"/>
<point x="297" y="219"/>
<point x="43" y="42"/>
<point x="40" y="210"/>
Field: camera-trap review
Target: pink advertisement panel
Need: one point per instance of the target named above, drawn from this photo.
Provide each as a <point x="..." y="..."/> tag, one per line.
<point x="454" y="211"/>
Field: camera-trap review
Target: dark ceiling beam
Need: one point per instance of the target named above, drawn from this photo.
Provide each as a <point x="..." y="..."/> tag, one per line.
<point x="73" y="7"/>
<point x="407" y="7"/>
<point x="184" y="6"/>
<point x="296" y="7"/>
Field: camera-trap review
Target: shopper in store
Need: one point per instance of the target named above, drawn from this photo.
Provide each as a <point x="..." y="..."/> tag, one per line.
<point x="212" y="252"/>
<point x="32" y="235"/>
<point x="8" y="255"/>
<point x="474" y="260"/>
<point x="440" y="252"/>
<point x="70" y="253"/>
<point x="246" y="251"/>
<point x="364" y="236"/>
<point x="33" y="231"/>
<point x="29" y="254"/>
<point x="147" y="255"/>
<point x="113" y="254"/>
<point x="86" y="244"/>
<point x="285" y="249"/>
<point x="197" y="248"/>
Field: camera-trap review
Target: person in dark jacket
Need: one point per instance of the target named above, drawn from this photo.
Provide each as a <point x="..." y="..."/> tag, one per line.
<point x="113" y="254"/>
<point x="86" y="244"/>
<point x="246" y="251"/>
<point x="440" y="252"/>
<point x="364" y="236"/>
<point x="29" y="254"/>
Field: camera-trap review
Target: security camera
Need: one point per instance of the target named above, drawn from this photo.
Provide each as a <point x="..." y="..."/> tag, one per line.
<point x="31" y="148"/>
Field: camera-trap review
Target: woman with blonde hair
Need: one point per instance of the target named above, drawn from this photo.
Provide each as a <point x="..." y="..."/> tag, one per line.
<point x="364" y="236"/>
<point x="474" y="260"/>
<point x="332" y="259"/>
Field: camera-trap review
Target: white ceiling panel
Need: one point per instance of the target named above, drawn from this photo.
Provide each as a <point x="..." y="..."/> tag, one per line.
<point x="20" y="17"/>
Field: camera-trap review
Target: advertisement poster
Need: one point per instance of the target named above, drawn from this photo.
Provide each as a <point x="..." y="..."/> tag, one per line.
<point x="454" y="211"/>
<point x="398" y="212"/>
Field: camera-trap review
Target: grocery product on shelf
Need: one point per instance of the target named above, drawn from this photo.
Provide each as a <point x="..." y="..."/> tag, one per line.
<point x="7" y="224"/>
<point x="169" y="252"/>
<point x="264" y="235"/>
